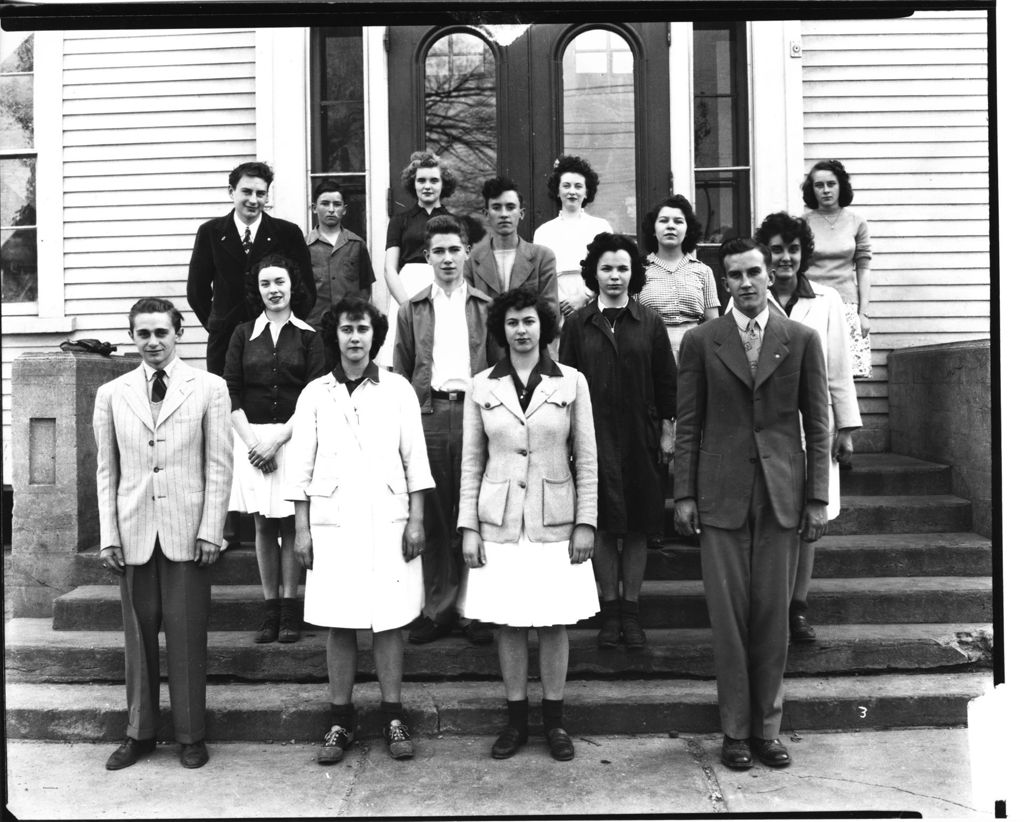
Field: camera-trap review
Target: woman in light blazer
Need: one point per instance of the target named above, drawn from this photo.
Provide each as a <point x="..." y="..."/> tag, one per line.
<point x="791" y="243"/>
<point x="528" y="509"/>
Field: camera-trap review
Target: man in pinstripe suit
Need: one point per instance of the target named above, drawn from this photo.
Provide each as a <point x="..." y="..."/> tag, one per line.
<point x="163" y="477"/>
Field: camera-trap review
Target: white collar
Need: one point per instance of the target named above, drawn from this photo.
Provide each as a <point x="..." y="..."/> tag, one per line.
<point x="168" y="369"/>
<point x="253" y="227"/>
<point x="742" y="320"/>
<point x="262" y="321"/>
<point x="602" y="305"/>
<point x="460" y="290"/>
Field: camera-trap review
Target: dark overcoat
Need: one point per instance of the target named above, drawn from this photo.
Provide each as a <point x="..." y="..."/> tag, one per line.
<point x="632" y="378"/>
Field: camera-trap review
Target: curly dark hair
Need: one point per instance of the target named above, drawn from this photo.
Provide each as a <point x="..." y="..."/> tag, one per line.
<point x="427" y="159"/>
<point x="741" y="245"/>
<point x="789" y="228"/>
<point x="354" y="305"/>
<point x="694" y="230"/>
<point x="301" y="301"/>
<point x="571" y="164"/>
<point x="845" y="188"/>
<point x="605" y="242"/>
<point x="516" y="300"/>
<point x="251" y="169"/>
<point x="496" y="186"/>
<point x="445" y="224"/>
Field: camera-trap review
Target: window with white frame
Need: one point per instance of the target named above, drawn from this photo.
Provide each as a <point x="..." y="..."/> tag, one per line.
<point x="18" y="251"/>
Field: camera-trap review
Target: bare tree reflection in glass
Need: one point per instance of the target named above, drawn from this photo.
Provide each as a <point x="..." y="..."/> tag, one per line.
<point x="461" y="113"/>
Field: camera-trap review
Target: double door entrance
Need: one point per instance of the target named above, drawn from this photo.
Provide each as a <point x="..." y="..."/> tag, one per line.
<point x="507" y="100"/>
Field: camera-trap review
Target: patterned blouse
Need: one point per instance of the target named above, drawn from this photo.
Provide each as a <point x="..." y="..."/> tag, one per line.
<point x="681" y="293"/>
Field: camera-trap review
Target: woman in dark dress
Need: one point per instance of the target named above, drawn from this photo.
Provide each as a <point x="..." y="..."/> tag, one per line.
<point x="269" y="361"/>
<point x="623" y="350"/>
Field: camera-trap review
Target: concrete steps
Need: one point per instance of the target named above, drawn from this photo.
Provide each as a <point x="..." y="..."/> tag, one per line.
<point x="664" y="603"/>
<point x="38" y="653"/>
<point x="275" y="712"/>
<point x="902" y="601"/>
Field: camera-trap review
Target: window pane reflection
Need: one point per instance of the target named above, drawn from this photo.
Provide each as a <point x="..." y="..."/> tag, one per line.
<point x="18" y="266"/>
<point x="722" y="203"/>
<point x="598" y="120"/>
<point x="461" y="110"/>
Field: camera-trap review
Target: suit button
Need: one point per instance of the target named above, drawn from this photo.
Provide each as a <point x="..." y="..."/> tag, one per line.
<point x="753" y="459"/>
<point x="521" y="452"/>
<point x="522" y="484"/>
<point x="154" y="499"/>
<point x="151" y="442"/>
<point x="757" y="429"/>
<point x="156" y="470"/>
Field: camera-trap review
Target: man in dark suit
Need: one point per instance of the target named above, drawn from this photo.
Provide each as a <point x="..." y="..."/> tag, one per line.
<point x="747" y="381"/>
<point x="505" y="260"/>
<point x="226" y="249"/>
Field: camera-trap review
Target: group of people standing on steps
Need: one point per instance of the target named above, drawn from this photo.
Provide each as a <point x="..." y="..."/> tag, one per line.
<point x="494" y="453"/>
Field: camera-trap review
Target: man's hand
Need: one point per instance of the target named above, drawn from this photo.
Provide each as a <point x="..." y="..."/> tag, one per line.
<point x="581" y="544"/>
<point x="206" y="553"/>
<point x="414" y="539"/>
<point x="473" y="549"/>
<point x="667" y="445"/>
<point x="842" y="445"/>
<point x="813" y="521"/>
<point x="112" y="558"/>
<point x="304" y="547"/>
<point x="687" y="520"/>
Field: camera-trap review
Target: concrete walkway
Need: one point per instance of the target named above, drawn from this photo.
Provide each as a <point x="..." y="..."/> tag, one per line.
<point x="926" y="771"/>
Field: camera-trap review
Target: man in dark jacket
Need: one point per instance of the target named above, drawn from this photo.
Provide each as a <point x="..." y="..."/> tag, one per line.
<point x="751" y="384"/>
<point x="225" y="250"/>
<point x="440" y="343"/>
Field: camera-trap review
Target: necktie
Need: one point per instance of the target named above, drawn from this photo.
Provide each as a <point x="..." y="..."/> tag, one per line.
<point x="159" y="386"/>
<point x="247" y="242"/>
<point x="752" y="344"/>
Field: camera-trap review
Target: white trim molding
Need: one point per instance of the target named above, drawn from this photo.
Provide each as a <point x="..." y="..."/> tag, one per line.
<point x="282" y="118"/>
<point x="680" y="76"/>
<point x="378" y="154"/>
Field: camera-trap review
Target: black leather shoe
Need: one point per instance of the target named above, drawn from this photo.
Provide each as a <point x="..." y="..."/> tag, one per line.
<point x="428" y="631"/>
<point x="771" y="752"/>
<point x="800" y="630"/>
<point x="194" y="754"/>
<point x="736" y="754"/>
<point x="129" y="751"/>
<point x="560" y="744"/>
<point x="508" y="742"/>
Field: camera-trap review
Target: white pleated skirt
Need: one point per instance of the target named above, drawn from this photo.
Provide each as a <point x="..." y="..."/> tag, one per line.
<point x="529" y="585"/>
<point x="252" y="491"/>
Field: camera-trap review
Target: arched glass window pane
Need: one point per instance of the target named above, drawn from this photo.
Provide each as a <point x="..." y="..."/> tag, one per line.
<point x="462" y="114"/>
<point x="598" y="118"/>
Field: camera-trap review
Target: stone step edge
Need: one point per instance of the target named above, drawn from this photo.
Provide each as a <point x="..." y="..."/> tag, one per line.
<point x="660" y="587"/>
<point x="285" y="711"/>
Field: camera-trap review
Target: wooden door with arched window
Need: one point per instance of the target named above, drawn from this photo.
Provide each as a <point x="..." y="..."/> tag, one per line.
<point x="509" y="99"/>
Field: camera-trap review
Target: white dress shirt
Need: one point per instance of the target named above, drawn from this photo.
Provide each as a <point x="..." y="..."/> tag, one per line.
<point x="253" y="227"/>
<point x="450" y="370"/>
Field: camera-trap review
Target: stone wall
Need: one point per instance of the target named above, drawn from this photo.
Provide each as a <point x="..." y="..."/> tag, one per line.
<point x="940" y="409"/>
<point x="55" y="515"/>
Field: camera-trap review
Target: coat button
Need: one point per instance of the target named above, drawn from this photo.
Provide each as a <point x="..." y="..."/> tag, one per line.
<point x="152" y="443"/>
<point x="753" y="459"/>
<point x="522" y="484"/>
<point x="156" y="470"/>
<point x="521" y="452"/>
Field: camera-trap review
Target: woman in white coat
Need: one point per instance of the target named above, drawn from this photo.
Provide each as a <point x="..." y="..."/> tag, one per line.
<point x="358" y="473"/>
<point x="528" y="509"/>
<point x="791" y="243"/>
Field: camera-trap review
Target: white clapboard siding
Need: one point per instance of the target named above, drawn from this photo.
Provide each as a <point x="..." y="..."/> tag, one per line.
<point x="904" y="104"/>
<point x="152" y="121"/>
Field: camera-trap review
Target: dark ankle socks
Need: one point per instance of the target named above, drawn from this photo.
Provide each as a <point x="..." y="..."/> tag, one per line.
<point x="343" y="715"/>
<point x="551" y="712"/>
<point x="391" y="710"/>
<point x="518" y="711"/>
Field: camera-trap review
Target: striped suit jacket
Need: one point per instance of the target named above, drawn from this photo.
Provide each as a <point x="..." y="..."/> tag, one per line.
<point x="171" y="479"/>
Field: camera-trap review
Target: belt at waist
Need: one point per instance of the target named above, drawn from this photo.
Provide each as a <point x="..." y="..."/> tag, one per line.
<point x="453" y="396"/>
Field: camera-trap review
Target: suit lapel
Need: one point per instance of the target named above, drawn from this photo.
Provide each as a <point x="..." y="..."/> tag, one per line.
<point x="522" y="266"/>
<point x="541" y="393"/>
<point x="263" y="239"/>
<point x="504" y="391"/>
<point x="181" y="389"/>
<point x="137" y="398"/>
<point x="730" y="350"/>
<point x="773" y="350"/>
<point x="230" y="242"/>
<point x="486" y="267"/>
